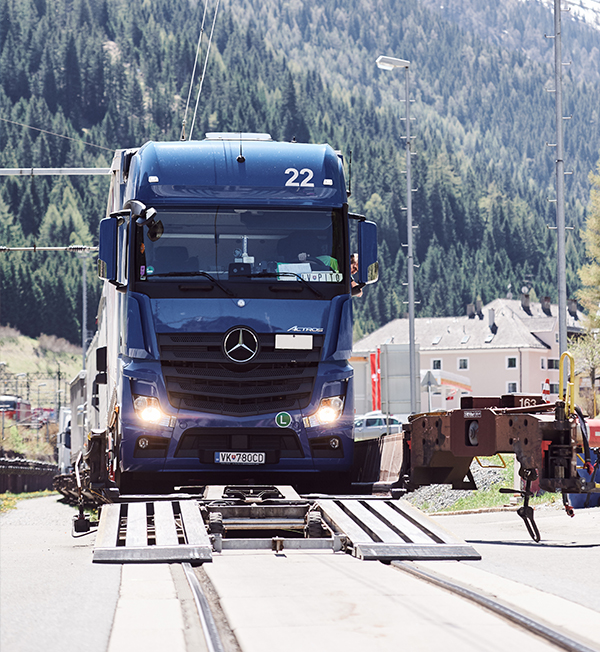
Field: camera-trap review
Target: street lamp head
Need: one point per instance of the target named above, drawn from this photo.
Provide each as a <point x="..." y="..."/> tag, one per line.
<point x="389" y="63"/>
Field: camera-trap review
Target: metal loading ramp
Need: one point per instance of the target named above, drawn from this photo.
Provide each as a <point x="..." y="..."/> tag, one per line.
<point x="392" y="530"/>
<point x="160" y="531"/>
<point x="164" y="529"/>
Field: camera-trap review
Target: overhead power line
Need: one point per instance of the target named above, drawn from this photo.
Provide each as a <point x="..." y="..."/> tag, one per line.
<point x="51" y="133"/>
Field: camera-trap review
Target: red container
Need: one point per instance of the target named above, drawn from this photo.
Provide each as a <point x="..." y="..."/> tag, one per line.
<point x="594" y="432"/>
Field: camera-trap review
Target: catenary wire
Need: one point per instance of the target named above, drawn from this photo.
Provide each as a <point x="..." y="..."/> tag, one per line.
<point x="204" y="69"/>
<point x="187" y="105"/>
<point x="51" y="133"/>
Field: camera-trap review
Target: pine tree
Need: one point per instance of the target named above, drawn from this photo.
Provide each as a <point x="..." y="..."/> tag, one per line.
<point x="589" y="295"/>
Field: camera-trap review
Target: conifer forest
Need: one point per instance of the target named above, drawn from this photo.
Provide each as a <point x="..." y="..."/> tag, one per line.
<point x="111" y="74"/>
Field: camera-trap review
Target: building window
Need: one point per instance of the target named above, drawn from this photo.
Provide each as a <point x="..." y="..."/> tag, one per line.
<point x="511" y="363"/>
<point x="463" y="363"/>
<point x="542" y="363"/>
<point x="436" y="364"/>
<point x="553" y="363"/>
<point x="511" y="388"/>
<point x="553" y="388"/>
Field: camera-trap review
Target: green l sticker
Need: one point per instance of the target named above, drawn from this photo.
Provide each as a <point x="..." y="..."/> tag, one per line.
<point x="283" y="419"/>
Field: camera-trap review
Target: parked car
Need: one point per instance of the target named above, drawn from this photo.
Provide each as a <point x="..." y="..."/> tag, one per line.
<point x="375" y="424"/>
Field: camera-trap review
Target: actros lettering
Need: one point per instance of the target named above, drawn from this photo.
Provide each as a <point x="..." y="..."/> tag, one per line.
<point x="304" y="329"/>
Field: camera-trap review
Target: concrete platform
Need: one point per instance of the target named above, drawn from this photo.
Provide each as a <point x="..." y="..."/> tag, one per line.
<point x="323" y="601"/>
<point x="563" y="563"/>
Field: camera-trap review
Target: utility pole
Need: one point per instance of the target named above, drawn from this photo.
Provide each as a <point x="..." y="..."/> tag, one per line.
<point x="560" y="184"/>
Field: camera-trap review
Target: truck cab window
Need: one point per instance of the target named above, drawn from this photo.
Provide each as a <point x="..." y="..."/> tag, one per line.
<point x="257" y="246"/>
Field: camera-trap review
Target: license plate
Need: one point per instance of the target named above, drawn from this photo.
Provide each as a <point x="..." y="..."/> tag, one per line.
<point x="240" y="458"/>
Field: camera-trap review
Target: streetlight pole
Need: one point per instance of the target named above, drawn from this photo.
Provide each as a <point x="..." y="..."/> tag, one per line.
<point x="390" y="63"/>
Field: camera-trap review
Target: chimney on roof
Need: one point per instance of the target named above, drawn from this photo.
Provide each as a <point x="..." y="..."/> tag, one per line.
<point x="572" y="307"/>
<point x="478" y="307"/>
<point x="525" y="301"/>
<point x="547" y="306"/>
<point x="471" y="310"/>
<point x="492" y="317"/>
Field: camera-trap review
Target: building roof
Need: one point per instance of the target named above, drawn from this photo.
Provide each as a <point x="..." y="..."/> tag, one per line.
<point x="535" y="318"/>
<point x="501" y="324"/>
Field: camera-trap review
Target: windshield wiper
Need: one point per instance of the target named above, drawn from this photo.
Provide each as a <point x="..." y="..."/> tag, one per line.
<point x="278" y="274"/>
<point x="210" y="277"/>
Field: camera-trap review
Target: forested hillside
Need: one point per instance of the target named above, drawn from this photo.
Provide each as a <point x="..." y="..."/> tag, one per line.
<point x="116" y="73"/>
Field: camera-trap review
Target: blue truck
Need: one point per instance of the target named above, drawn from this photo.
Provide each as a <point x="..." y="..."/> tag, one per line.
<point x="225" y="322"/>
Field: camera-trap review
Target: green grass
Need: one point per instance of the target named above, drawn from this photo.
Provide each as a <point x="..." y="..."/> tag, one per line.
<point x="9" y="500"/>
<point x="492" y="498"/>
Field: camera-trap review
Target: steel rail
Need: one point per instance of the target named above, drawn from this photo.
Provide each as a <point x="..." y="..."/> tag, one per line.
<point x="209" y="627"/>
<point x="500" y="609"/>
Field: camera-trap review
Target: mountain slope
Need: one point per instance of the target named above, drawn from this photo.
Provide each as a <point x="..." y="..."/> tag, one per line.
<point x="117" y="74"/>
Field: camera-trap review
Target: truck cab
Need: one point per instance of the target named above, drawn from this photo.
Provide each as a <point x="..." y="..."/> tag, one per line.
<point x="225" y="324"/>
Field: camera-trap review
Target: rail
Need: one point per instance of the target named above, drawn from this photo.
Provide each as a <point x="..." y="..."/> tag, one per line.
<point x="497" y="607"/>
<point x="209" y="626"/>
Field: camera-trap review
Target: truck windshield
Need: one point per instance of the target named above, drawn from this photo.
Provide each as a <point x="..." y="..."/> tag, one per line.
<point x="238" y="244"/>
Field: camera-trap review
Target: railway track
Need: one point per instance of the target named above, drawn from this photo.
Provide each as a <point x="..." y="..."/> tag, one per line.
<point x="493" y="622"/>
<point x="532" y="631"/>
<point x="241" y="537"/>
<point x="549" y="637"/>
<point x="205" y="611"/>
<point x="500" y="608"/>
<point x="261" y="600"/>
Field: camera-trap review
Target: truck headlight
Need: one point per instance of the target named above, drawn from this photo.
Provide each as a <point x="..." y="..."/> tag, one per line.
<point x="148" y="409"/>
<point x="330" y="409"/>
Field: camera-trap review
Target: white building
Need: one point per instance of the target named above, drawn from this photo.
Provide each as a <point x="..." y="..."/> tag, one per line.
<point x="508" y="346"/>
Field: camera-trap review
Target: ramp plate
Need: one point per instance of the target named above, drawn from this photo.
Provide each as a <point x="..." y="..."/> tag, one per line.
<point x="389" y="530"/>
<point x="161" y="531"/>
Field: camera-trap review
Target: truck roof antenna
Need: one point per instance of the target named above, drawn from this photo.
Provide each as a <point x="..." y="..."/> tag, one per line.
<point x="241" y="158"/>
<point x="349" y="191"/>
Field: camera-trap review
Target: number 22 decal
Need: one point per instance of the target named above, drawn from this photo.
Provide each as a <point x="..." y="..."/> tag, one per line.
<point x="294" y="174"/>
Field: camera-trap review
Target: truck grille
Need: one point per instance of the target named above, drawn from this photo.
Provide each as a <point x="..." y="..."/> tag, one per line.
<point x="203" y="443"/>
<point x="199" y="376"/>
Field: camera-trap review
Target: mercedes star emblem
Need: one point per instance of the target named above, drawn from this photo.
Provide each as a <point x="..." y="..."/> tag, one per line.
<point x="240" y="344"/>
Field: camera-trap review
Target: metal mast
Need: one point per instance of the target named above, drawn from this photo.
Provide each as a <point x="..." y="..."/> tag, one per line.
<point x="410" y="263"/>
<point x="390" y="63"/>
<point x="560" y="185"/>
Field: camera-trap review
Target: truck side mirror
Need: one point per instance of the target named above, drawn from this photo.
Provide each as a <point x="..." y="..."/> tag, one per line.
<point x="368" y="267"/>
<point x="101" y="360"/>
<point x="107" y="254"/>
<point x="101" y="378"/>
